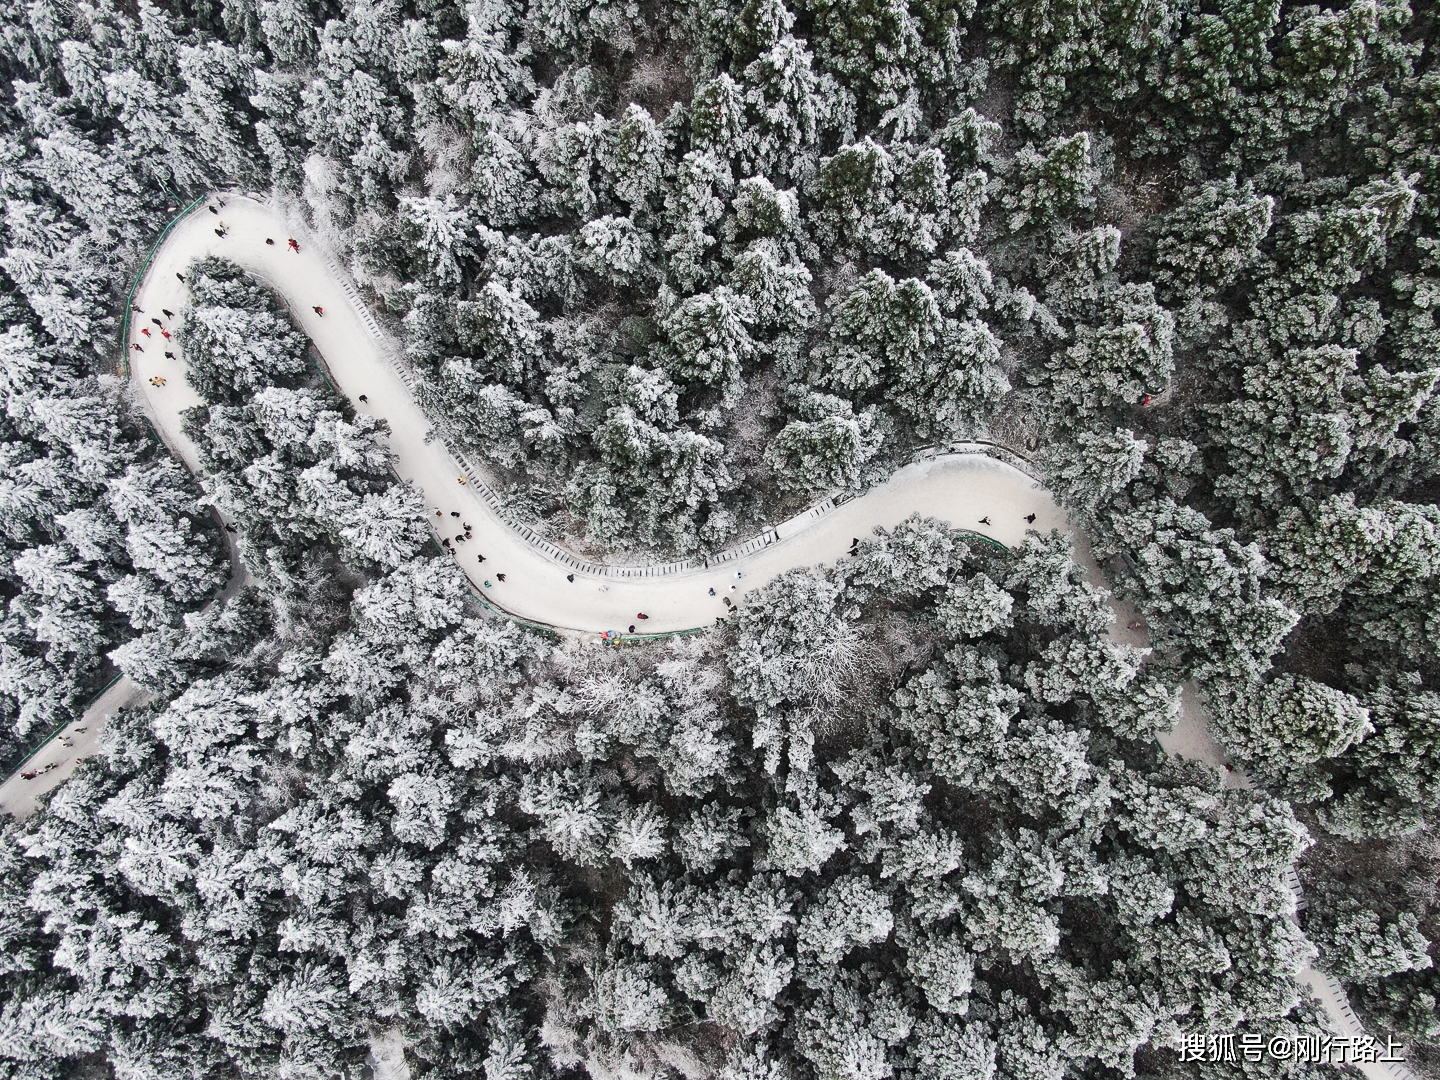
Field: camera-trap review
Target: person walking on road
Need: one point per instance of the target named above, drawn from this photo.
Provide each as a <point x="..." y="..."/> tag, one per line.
<point x="366" y="400"/>
<point x="641" y="616"/>
<point x="295" y="247"/>
<point x="985" y="520"/>
<point x="167" y="313"/>
<point x="270" y="242"/>
<point x="136" y="346"/>
<point x="137" y="309"/>
<point x="156" y="321"/>
<point x="499" y="577"/>
<point x="1030" y="519"/>
<point x="319" y="310"/>
<point x="569" y="577"/>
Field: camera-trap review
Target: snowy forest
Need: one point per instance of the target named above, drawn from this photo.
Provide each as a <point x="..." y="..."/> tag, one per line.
<point x="673" y="272"/>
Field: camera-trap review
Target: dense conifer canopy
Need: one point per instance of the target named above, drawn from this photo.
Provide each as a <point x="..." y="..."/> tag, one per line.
<point x="673" y="272"/>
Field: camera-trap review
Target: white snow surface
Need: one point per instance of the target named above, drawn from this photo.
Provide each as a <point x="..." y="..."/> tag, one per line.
<point x="958" y="488"/>
<point x="961" y="488"/>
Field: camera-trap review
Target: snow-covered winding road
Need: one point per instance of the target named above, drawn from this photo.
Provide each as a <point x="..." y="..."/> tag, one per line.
<point x="971" y="490"/>
<point x="960" y="488"/>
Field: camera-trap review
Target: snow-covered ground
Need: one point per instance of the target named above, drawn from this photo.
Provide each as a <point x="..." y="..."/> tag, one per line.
<point x="66" y="749"/>
<point x="961" y="489"/>
<point x="964" y="489"/>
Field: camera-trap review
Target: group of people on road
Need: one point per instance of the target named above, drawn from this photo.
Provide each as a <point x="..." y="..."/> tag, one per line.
<point x="221" y="231"/>
<point x="64" y="740"/>
<point x="460" y="538"/>
<point x="468" y="534"/>
<point x="136" y="309"/>
<point x="450" y="544"/>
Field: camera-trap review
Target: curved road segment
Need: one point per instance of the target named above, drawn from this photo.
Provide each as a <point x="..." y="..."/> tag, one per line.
<point x="963" y="489"/>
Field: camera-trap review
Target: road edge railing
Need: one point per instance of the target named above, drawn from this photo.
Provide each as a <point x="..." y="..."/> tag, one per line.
<point x="139" y="277"/>
<point x="475" y="476"/>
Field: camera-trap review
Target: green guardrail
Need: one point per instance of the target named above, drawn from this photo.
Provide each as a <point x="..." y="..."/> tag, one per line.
<point x="969" y="535"/>
<point x="140" y="277"/>
<point x="136" y="281"/>
<point x="319" y="367"/>
<point x="58" y="728"/>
